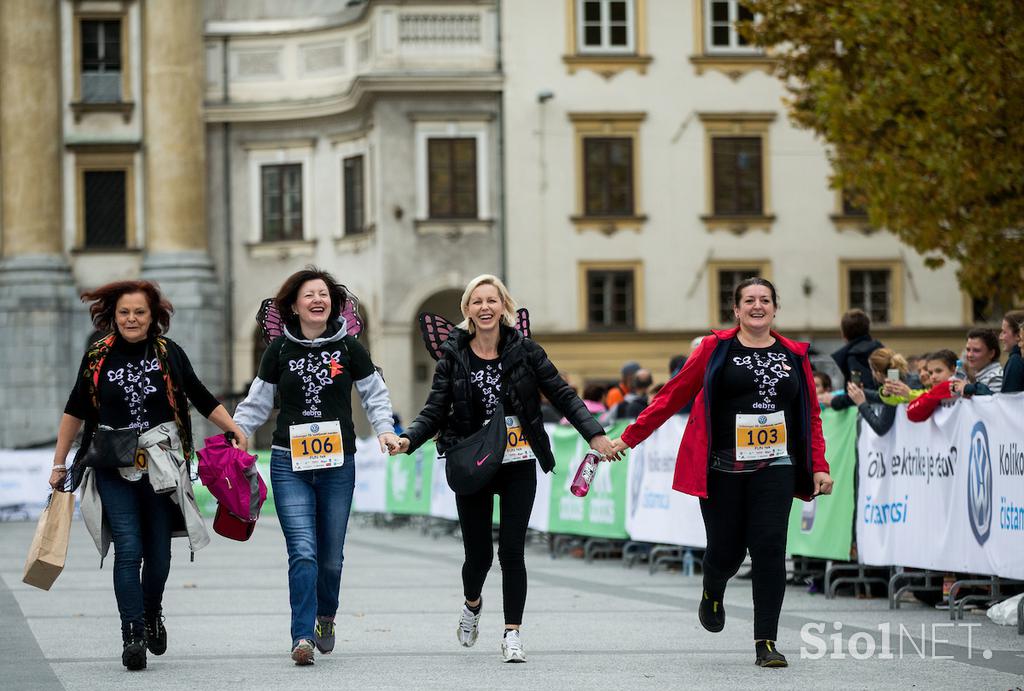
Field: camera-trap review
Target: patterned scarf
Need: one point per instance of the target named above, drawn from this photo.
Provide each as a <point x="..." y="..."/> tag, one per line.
<point x="97" y="354"/>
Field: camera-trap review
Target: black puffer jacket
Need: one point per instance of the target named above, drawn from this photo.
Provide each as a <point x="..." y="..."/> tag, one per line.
<point x="526" y="371"/>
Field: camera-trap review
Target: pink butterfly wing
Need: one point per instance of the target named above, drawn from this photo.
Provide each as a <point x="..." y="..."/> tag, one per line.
<point x="523" y="322"/>
<point x="269" y="320"/>
<point x="435" y="330"/>
<point x="350" y="317"/>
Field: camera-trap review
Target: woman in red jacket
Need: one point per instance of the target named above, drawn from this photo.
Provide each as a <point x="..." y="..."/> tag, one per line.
<point x="755" y="425"/>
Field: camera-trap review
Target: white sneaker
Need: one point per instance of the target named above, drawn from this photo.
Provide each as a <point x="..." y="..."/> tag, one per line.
<point x="512" y="647"/>
<point x="469" y="626"/>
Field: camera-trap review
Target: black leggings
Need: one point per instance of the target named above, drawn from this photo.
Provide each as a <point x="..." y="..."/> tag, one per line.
<point x="516" y="484"/>
<point x="749" y="511"/>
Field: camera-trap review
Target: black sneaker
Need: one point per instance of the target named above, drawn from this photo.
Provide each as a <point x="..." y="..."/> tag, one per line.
<point x="156" y="634"/>
<point x="133" y="657"/>
<point x="768" y="656"/>
<point x="323" y="634"/>
<point x="711" y="613"/>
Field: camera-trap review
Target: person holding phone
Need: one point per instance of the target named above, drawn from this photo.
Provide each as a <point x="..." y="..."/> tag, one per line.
<point x="878" y="407"/>
<point x="752" y="442"/>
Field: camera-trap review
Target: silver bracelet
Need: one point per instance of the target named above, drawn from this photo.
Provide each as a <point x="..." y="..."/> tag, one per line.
<point x="60" y="467"/>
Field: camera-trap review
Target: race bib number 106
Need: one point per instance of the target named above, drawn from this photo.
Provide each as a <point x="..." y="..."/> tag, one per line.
<point x="316" y="445"/>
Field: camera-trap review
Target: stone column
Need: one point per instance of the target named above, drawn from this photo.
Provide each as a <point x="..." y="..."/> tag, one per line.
<point x="177" y="249"/>
<point x="38" y="304"/>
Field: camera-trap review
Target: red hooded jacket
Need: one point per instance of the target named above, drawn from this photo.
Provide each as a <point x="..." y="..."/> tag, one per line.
<point x="691" y="474"/>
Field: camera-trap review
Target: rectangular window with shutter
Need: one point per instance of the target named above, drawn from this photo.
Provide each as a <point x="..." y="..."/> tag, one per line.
<point x="105" y="212"/>
<point x="737" y="176"/>
<point x="354" y="195"/>
<point x="608" y="176"/>
<point x="870" y="290"/>
<point x="610" y="300"/>
<point x="281" y="201"/>
<point x="100" y="60"/>
<point x="451" y="176"/>
<point x="605" y="26"/>
<point x="720" y="34"/>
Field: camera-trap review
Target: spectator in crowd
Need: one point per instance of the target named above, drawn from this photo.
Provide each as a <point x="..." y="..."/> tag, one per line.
<point x="592" y="396"/>
<point x="914" y="365"/>
<point x="855" y="327"/>
<point x="981" y="360"/>
<point x="877" y="413"/>
<point x="675" y="365"/>
<point x="941" y="367"/>
<point x="822" y="383"/>
<point x="636" y="400"/>
<point x="922" y="371"/>
<point x="617" y="392"/>
<point x="1010" y="336"/>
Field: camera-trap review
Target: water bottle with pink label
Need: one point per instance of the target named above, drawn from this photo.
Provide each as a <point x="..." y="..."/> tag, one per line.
<point x="585" y="474"/>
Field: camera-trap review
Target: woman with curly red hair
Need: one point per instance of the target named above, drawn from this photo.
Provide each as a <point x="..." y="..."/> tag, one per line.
<point x="136" y="380"/>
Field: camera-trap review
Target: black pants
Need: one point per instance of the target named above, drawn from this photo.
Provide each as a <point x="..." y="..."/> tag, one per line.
<point x="749" y="511"/>
<point x="516" y="484"/>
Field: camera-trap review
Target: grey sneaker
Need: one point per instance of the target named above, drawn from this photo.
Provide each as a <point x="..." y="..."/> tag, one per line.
<point x="323" y="634"/>
<point x="303" y="653"/>
<point x="469" y="626"/>
<point x="512" y="647"/>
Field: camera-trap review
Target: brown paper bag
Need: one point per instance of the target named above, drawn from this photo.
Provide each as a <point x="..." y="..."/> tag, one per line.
<point x="50" y="544"/>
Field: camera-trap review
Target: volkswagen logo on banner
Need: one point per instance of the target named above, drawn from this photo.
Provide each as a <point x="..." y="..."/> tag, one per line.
<point x="979" y="484"/>
<point x="314" y="428"/>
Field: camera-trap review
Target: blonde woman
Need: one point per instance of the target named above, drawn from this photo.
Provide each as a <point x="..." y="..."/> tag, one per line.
<point x="485" y="362"/>
<point x="879" y="410"/>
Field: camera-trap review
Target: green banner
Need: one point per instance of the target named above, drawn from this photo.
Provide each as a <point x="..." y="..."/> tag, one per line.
<point x="408" y="480"/>
<point x="602" y="513"/>
<point x="823" y="528"/>
<point x="208" y="505"/>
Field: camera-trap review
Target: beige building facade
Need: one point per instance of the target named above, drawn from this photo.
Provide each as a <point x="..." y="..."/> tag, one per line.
<point x="651" y="166"/>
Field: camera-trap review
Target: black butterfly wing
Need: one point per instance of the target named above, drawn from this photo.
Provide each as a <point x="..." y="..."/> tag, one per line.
<point x="435" y="330"/>
<point x="523" y="322"/>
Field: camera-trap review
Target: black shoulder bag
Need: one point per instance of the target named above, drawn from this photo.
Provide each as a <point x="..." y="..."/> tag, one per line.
<point x="471" y="463"/>
<point x="116" y="448"/>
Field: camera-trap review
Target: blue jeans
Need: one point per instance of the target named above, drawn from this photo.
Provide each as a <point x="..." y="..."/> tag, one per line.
<point x="313" y="507"/>
<point x="141" y="522"/>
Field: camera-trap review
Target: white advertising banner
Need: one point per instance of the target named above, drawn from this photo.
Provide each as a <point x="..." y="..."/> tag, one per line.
<point x="442" y="498"/>
<point x="539" y="518"/>
<point x="948" y="493"/>
<point x="24" y="483"/>
<point x="654" y="511"/>
<point x="371" y="468"/>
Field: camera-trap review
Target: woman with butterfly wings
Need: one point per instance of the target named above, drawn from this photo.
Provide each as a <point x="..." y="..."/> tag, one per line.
<point x="313" y="362"/>
<point x="487" y="364"/>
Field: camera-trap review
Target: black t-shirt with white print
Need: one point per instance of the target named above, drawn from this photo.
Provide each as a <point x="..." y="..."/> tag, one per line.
<point x="485" y="380"/>
<point x="315" y="383"/>
<point x="752" y="381"/>
<point x="131" y="390"/>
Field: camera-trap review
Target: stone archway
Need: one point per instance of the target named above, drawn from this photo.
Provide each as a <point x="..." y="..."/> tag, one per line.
<point x="446" y="304"/>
